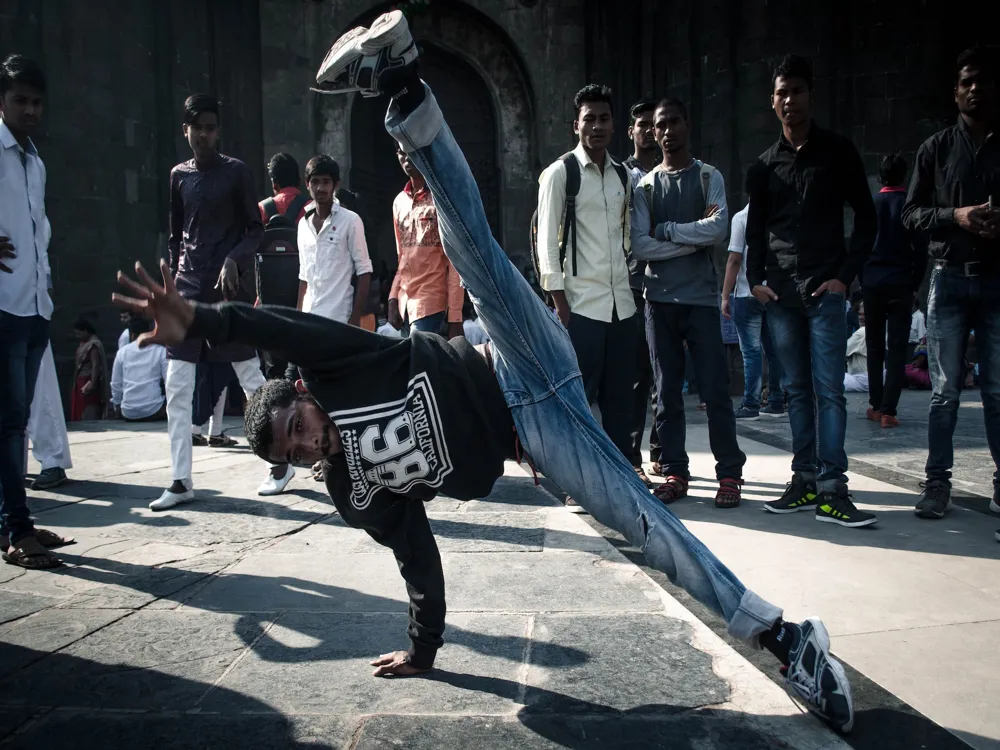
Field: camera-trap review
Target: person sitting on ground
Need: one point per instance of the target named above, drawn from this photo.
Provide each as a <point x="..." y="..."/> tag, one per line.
<point x="856" y="377"/>
<point x="90" y="378"/>
<point x="137" y="378"/>
<point x="397" y="421"/>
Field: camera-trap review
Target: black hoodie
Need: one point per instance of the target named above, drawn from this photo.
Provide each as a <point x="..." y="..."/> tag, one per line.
<point x="416" y="416"/>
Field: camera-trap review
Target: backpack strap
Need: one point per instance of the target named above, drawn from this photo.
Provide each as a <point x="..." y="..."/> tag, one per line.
<point x="623" y="175"/>
<point x="706" y="178"/>
<point x="270" y="209"/>
<point x="295" y="206"/>
<point x="572" y="167"/>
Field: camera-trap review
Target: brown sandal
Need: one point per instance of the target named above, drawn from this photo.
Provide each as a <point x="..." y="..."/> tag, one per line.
<point x="673" y="489"/>
<point x="48" y="539"/>
<point x="729" y="494"/>
<point x="31" y="555"/>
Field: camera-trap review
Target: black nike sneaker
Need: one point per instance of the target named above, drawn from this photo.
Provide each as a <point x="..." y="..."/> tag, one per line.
<point x="800" y="494"/>
<point x="815" y="677"/>
<point x="935" y="500"/>
<point x="836" y="507"/>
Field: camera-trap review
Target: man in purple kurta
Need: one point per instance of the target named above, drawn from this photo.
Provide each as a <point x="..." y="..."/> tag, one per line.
<point x="215" y="228"/>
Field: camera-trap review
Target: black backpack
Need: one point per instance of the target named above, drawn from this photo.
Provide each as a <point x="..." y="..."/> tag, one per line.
<point x="572" y="167"/>
<point x="276" y="260"/>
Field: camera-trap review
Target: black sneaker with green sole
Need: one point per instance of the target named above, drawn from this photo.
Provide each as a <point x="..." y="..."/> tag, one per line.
<point x="799" y="495"/>
<point x="836" y="507"/>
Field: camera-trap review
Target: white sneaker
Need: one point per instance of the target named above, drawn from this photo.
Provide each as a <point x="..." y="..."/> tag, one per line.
<point x="359" y="60"/>
<point x="169" y="499"/>
<point x="272" y="486"/>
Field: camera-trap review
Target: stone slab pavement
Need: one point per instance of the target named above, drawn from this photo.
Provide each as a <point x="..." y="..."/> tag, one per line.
<point x="239" y="621"/>
<point x="912" y="605"/>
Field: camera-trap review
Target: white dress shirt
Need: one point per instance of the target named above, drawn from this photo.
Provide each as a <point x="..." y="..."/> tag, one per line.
<point x="738" y="244"/>
<point x="25" y="292"/>
<point x="123" y="339"/>
<point x="474" y="332"/>
<point x="135" y="380"/>
<point x="329" y="258"/>
<point x="601" y="284"/>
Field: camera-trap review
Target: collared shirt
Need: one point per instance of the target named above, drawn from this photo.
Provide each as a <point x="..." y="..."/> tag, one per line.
<point x="601" y="286"/>
<point x="950" y="172"/>
<point x="795" y="228"/>
<point x="281" y="200"/>
<point x="135" y="380"/>
<point x="25" y="292"/>
<point x="738" y="244"/>
<point x="426" y="282"/>
<point x="329" y="260"/>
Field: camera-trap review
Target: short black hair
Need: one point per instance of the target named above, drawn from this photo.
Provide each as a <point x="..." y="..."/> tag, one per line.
<point x="84" y="324"/>
<point x="892" y="170"/>
<point x="676" y="104"/>
<point x="198" y="104"/>
<point x="643" y="105"/>
<point x="348" y="199"/>
<point x="137" y="325"/>
<point x="593" y="93"/>
<point x="20" y="69"/>
<point x="283" y="170"/>
<point x="323" y="164"/>
<point x="273" y="395"/>
<point x="978" y="58"/>
<point x="793" y="66"/>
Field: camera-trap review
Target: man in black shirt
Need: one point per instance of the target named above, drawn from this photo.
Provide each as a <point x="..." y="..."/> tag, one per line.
<point x="397" y="421"/>
<point x="957" y="174"/>
<point x="798" y="268"/>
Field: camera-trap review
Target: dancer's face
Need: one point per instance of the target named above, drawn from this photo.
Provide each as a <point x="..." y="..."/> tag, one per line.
<point x="303" y="434"/>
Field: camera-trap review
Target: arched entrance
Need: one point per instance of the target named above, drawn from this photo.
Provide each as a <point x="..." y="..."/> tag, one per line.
<point x="375" y="173"/>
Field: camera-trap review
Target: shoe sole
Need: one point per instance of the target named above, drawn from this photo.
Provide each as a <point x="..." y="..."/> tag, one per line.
<point x="575" y="509"/>
<point x="747" y="419"/>
<point x="279" y="490"/>
<point x="50" y="486"/>
<point x="784" y="511"/>
<point x="848" y="524"/>
<point x="772" y="416"/>
<point x="387" y="29"/>
<point x="172" y="505"/>
<point x="823" y="638"/>
<point x="341" y="55"/>
<point x="994" y="507"/>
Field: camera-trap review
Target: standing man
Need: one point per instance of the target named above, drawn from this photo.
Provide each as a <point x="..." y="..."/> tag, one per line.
<point x="332" y="250"/>
<point x="25" y="304"/>
<point x="645" y="156"/>
<point x="426" y="289"/>
<point x="215" y="227"/>
<point x="287" y="200"/>
<point x="957" y="175"/>
<point x="799" y="269"/>
<point x="590" y="285"/>
<point x="890" y="279"/>
<point x="751" y="328"/>
<point x="679" y="213"/>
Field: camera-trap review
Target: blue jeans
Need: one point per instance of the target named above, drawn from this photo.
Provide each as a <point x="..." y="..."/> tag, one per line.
<point x="811" y="342"/>
<point x="22" y="344"/>
<point x="755" y="338"/>
<point x="957" y="305"/>
<point x="537" y="370"/>
<point x="427" y="324"/>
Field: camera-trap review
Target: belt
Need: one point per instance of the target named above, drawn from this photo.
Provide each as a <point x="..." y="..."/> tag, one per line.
<point x="970" y="269"/>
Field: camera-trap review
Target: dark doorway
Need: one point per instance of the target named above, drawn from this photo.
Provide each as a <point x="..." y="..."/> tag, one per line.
<point x="375" y="173"/>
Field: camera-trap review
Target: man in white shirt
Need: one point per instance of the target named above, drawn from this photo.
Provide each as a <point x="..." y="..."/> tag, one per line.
<point x="751" y="326"/>
<point x="47" y="428"/>
<point x="334" y="268"/>
<point x="585" y="267"/>
<point x="137" y="378"/>
<point x="25" y="305"/>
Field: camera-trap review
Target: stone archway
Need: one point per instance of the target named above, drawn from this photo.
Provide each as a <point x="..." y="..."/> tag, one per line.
<point x="460" y="32"/>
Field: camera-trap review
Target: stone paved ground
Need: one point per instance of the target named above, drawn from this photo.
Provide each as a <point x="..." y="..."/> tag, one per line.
<point x="239" y="621"/>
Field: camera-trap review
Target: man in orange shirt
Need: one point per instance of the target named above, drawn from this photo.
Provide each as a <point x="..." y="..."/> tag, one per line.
<point x="426" y="288"/>
<point x="284" y="173"/>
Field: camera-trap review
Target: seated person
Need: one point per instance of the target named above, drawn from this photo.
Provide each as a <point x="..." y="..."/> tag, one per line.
<point x="396" y="421"/>
<point x="137" y="378"/>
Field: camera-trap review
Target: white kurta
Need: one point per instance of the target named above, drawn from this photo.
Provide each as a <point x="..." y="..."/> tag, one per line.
<point x="47" y="423"/>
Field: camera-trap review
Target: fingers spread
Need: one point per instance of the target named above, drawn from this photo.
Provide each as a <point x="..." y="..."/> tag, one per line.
<point x="129" y="303"/>
<point x="146" y="279"/>
<point x="133" y="287"/>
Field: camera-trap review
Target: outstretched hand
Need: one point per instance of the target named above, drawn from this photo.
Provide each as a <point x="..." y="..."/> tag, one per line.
<point x="397" y="663"/>
<point x="171" y="314"/>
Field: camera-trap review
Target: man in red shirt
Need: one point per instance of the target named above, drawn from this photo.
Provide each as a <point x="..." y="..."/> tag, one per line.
<point x="284" y="173"/>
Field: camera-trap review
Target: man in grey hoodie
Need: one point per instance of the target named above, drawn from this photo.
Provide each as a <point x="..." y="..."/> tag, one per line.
<point x="679" y="213"/>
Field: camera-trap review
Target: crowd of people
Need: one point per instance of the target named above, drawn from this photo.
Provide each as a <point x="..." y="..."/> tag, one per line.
<point x="624" y="252"/>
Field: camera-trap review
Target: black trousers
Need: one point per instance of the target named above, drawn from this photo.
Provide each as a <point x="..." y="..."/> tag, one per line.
<point x="887" y="309"/>
<point x="606" y="353"/>
<point x="668" y="326"/>
<point x="640" y="392"/>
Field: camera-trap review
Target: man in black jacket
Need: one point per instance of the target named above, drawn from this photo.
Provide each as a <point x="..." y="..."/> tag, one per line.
<point x="957" y="174"/>
<point x="397" y="421"/>
<point x="798" y="268"/>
